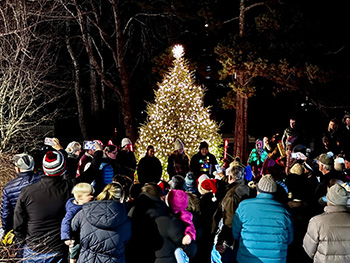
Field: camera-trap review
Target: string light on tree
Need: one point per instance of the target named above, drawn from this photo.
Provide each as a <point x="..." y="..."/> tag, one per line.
<point x="178" y="112"/>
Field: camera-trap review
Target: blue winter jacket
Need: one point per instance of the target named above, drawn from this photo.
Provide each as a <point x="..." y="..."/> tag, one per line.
<point x="10" y="195"/>
<point x="104" y="230"/>
<point x="105" y="177"/>
<point x="71" y="210"/>
<point x="264" y="229"/>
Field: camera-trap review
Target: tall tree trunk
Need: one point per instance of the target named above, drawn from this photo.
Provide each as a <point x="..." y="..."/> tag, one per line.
<point x="124" y="76"/>
<point x="241" y="134"/>
<point x="93" y="81"/>
<point x="118" y="56"/>
<point x="77" y="89"/>
<point x="241" y="137"/>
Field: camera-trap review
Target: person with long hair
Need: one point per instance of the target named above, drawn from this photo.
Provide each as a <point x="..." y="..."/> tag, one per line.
<point x="104" y="227"/>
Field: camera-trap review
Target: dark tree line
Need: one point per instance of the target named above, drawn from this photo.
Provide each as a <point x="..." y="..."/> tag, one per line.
<point x="99" y="61"/>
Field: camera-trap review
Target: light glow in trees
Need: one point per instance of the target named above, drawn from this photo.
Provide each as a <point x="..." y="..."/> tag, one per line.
<point x="178" y="112"/>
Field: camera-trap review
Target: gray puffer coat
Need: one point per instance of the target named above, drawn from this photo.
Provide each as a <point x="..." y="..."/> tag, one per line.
<point x="328" y="236"/>
<point x="104" y="231"/>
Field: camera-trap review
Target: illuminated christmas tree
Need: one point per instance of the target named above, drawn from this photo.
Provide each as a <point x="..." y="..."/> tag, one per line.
<point x="178" y="112"/>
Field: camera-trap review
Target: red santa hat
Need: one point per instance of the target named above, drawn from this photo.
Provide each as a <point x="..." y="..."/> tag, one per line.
<point x="201" y="179"/>
<point x="209" y="185"/>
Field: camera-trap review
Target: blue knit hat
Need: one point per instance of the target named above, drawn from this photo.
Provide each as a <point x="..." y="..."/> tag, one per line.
<point x="190" y="183"/>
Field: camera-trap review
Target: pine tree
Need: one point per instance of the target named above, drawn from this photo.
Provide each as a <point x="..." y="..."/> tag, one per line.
<point x="178" y="112"/>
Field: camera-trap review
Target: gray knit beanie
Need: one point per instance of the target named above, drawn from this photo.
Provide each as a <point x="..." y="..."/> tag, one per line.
<point x="337" y="195"/>
<point x="267" y="184"/>
<point x="24" y="162"/>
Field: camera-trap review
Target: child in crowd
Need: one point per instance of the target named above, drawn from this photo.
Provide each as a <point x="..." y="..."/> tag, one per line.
<point x="178" y="202"/>
<point x="83" y="193"/>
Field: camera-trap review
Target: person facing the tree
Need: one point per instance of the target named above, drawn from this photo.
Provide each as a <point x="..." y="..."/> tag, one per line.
<point x="149" y="168"/>
<point x="203" y="162"/>
<point x="126" y="159"/>
<point x="178" y="161"/>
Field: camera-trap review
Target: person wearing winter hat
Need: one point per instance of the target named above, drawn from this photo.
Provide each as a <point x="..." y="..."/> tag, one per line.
<point x="325" y="164"/>
<point x="74" y="151"/>
<point x="339" y="164"/>
<point x="328" y="235"/>
<point x="164" y="186"/>
<point x="54" y="163"/>
<point x="178" y="161"/>
<point x="203" y="161"/>
<point x="38" y="213"/>
<point x="208" y="203"/>
<point x="190" y="183"/>
<point x="268" y="221"/>
<point x="156" y="232"/>
<point x="178" y="202"/>
<point x="340" y="170"/>
<point x="126" y="160"/>
<point x="87" y="157"/>
<point x="24" y="166"/>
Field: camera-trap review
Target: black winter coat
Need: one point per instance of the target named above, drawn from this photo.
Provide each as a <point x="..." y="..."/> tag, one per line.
<point x="203" y="164"/>
<point x="156" y="232"/>
<point x="104" y="230"/>
<point x="126" y="163"/>
<point x="41" y="207"/>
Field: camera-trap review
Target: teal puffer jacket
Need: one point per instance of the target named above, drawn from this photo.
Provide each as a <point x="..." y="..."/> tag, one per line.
<point x="264" y="229"/>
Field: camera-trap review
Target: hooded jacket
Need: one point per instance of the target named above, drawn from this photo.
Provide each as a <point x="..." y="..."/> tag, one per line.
<point x="178" y="201"/>
<point x="104" y="230"/>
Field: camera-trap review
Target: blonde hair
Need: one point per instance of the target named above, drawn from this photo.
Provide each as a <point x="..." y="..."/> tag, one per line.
<point x="193" y="203"/>
<point x="112" y="191"/>
<point x="82" y="188"/>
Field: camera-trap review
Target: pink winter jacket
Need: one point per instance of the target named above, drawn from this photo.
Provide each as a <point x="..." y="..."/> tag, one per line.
<point x="178" y="201"/>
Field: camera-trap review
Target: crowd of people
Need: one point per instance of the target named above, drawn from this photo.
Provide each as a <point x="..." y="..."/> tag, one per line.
<point x="87" y="205"/>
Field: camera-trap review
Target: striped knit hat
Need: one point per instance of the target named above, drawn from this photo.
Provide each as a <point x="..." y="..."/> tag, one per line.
<point x="54" y="163"/>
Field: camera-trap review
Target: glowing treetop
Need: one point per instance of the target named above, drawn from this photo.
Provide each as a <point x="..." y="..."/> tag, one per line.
<point x="178" y="112"/>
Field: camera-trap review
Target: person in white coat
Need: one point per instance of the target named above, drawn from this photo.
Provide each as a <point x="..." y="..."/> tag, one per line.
<point x="328" y="235"/>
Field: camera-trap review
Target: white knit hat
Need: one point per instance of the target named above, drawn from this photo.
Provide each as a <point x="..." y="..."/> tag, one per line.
<point x="339" y="164"/>
<point x="126" y="141"/>
<point x="267" y="184"/>
<point x="178" y="144"/>
<point x="73" y="147"/>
